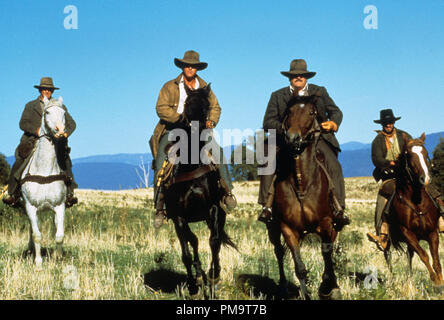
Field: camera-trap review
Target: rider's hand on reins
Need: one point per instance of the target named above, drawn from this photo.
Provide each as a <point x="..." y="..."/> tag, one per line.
<point x="329" y="126"/>
<point x="210" y="124"/>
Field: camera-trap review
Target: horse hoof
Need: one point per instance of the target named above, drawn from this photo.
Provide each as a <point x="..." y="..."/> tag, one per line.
<point x="334" y="294"/>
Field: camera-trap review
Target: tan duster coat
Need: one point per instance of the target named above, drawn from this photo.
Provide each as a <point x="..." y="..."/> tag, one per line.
<point x="166" y="109"/>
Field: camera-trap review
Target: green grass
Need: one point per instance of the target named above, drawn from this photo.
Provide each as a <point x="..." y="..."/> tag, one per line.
<point x="117" y="254"/>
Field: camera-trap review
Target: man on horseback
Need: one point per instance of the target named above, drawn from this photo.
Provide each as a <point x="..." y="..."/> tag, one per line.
<point x="30" y="123"/>
<point x="386" y="148"/>
<point x="170" y="109"/>
<point x="329" y="116"/>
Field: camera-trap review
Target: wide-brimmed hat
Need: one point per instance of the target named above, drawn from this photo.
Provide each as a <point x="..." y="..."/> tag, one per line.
<point x="386" y="116"/>
<point x="190" y="58"/>
<point x="46" y="83"/>
<point x="298" y="67"/>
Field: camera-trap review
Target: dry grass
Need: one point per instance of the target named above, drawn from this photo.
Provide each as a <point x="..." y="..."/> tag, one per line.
<point x="115" y="253"/>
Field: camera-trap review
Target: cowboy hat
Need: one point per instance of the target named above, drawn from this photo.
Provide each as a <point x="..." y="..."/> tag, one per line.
<point x="190" y="58"/>
<point x="46" y="83"/>
<point x="386" y="116"/>
<point x="298" y="67"/>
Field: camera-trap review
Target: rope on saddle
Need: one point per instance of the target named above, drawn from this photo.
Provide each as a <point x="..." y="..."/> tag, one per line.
<point x="45" y="179"/>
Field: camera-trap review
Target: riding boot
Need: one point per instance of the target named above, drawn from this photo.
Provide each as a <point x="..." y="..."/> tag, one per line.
<point x="12" y="195"/>
<point x="70" y="185"/>
<point x="381" y="226"/>
<point x="381" y="240"/>
<point x="440" y="205"/>
<point x="160" y="217"/>
<point x="266" y="214"/>
<point x="340" y="219"/>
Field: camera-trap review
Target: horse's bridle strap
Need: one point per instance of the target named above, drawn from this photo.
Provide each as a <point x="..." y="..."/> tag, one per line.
<point x="44" y="179"/>
<point x="197" y="173"/>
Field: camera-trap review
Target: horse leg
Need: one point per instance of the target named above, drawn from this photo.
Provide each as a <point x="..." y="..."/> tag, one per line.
<point x="274" y="235"/>
<point x="216" y="224"/>
<point x="36" y="235"/>
<point x="412" y="241"/>
<point x="60" y="234"/>
<point x="194" y="242"/>
<point x="292" y="239"/>
<point x="388" y="257"/>
<point x="434" y="246"/>
<point x="410" y="254"/>
<point x="180" y="226"/>
<point x="329" y="288"/>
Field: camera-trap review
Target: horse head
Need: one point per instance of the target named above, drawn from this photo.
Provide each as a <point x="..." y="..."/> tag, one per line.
<point x="300" y="123"/>
<point x="416" y="160"/>
<point x="197" y="104"/>
<point x="53" y="118"/>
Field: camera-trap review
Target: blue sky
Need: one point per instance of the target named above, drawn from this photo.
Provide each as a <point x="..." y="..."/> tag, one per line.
<point x="110" y="70"/>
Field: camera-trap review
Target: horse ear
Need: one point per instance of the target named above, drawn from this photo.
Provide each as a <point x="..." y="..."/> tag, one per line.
<point x="208" y="88"/>
<point x="45" y="100"/>
<point x="61" y="100"/>
<point x="422" y="138"/>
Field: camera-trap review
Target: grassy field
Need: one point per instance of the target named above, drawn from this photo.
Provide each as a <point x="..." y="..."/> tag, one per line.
<point x="113" y="252"/>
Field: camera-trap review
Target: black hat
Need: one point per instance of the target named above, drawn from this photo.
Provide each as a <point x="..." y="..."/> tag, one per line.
<point x="298" y="67"/>
<point x="190" y="58"/>
<point x="386" y="116"/>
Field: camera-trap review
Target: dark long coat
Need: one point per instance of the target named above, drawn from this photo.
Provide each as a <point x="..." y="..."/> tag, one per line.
<point x="31" y="120"/>
<point x="379" y="152"/>
<point x="326" y="107"/>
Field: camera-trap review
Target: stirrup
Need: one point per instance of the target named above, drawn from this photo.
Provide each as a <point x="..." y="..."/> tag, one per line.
<point x="265" y="215"/>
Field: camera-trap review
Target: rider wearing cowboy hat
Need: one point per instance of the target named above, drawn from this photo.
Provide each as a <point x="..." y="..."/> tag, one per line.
<point x="329" y="117"/>
<point x="170" y="107"/>
<point x="386" y="148"/>
<point x="30" y="123"/>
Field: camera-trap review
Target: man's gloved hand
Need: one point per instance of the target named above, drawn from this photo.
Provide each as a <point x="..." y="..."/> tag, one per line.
<point x="329" y="126"/>
<point x="210" y="124"/>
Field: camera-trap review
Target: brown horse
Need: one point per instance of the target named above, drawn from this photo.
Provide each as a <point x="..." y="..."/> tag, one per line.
<point x="302" y="197"/>
<point x="414" y="216"/>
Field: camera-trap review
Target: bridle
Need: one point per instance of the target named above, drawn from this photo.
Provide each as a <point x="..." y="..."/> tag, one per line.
<point x="51" y="138"/>
<point x="297" y="142"/>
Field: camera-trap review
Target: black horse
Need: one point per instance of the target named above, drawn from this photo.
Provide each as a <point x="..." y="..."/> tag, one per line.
<point x="194" y="195"/>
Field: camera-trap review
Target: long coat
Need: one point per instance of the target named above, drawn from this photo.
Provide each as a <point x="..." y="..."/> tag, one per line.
<point x="327" y="110"/>
<point x="31" y="120"/>
<point x="379" y="153"/>
<point x="166" y="108"/>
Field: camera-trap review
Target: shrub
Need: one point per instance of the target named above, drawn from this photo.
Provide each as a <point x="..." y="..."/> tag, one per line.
<point x="438" y="166"/>
<point x="4" y="169"/>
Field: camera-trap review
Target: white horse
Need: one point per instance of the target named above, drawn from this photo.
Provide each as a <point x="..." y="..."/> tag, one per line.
<point x="43" y="184"/>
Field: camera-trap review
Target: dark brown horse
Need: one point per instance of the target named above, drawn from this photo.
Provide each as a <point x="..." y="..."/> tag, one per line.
<point x="193" y="195"/>
<point x="414" y="216"/>
<point x="302" y="197"/>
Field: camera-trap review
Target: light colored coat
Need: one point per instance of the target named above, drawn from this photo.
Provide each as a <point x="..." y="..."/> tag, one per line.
<point x="166" y="109"/>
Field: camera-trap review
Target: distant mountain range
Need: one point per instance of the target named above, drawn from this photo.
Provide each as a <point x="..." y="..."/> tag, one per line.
<point x="121" y="171"/>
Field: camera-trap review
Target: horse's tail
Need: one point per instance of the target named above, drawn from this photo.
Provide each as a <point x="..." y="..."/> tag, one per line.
<point x="227" y="241"/>
<point x="396" y="237"/>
